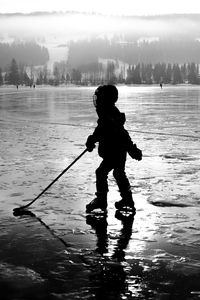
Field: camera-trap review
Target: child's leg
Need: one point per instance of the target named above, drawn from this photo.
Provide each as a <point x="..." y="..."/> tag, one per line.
<point x="101" y="187"/>
<point x="123" y="184"/>
<point x="120" y="176"/>
<point x="102" y="175"/>
<point x="122" y="181"/>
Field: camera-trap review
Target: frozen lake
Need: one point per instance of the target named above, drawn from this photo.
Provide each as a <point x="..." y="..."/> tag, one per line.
<point x="59" y="252"/>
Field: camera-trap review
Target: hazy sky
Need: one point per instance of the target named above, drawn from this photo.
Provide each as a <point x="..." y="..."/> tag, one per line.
<point x="119" y="7"/>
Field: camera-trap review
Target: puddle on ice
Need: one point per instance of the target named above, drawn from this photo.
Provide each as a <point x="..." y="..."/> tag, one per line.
<point x="19" y="276"/>
<point x="167" y="204"/>
<point x="59" y="252"/>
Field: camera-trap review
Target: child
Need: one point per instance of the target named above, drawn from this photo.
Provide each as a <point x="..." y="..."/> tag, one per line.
<point x="114" y="143"/>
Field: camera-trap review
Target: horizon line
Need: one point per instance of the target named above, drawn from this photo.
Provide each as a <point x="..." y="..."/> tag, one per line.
<point x="35" y="13"/>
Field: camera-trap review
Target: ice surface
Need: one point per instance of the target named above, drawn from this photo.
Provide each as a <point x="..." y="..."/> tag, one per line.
<point x="154" y="255"/>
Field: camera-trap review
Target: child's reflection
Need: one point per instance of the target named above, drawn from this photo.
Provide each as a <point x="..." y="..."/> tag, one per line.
<point x="108" y="273"/>
<point x="99" y="224"/>
<point x="125" y="235"/>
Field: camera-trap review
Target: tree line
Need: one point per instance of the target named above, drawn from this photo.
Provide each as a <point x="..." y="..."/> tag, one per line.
<point x="28" y="53"/>
<point x="134" y="51"/>
<point x="15" y="74"/>
<point x="163" y="73"/>
<point x="97" y="73"/>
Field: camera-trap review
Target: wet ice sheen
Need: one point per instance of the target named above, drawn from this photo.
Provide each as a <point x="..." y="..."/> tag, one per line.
<point x="154" y="255"/>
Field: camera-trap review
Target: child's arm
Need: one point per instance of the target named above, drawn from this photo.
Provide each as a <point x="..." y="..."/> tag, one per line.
<point x="132" y="148"/>
<point x="90" y="143"/>
<point x="93" y="138"/>
<point x="135" y="152"/>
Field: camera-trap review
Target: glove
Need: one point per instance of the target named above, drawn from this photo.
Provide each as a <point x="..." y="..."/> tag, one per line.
<point x="135" y="152"/>
<point x="90" y="145"/>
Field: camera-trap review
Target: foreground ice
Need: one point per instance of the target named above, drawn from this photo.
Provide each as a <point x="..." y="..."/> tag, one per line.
<point x="68" y="255"/>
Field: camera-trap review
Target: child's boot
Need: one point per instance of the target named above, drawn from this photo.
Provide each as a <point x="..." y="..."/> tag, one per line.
<point x="100" y="202"/>
<point x="126" y="203"/>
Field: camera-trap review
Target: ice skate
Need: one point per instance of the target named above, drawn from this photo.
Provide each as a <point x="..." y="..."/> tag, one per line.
<point x="100" y="203"/>
<point x="123" y="205"/>
<point x="126" y="203"/>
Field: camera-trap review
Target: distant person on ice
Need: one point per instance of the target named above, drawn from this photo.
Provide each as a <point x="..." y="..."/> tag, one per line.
<point x="114" y="144"/>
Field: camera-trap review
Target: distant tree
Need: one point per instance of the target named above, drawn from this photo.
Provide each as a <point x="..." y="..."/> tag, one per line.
<point x="21" y="68"/>
<point x="1" y="77"/>
<point x="149" y="74"/>
<point x="193" y="74"/>
<point x="63" y="78"/>
<point x="56" y="75"/>
<point x="159" y="72"/>
<point x="67" y="77"/>
<point x="45" y="75"/>
<point x="76" y="76"/>
<point x="184" y="72"/>
<point x="121" y="78"/>
<point x="6" y="78"/>
<point x="110" y="73"/>
<point x="143" y="72"/>
<point x="129" y="77"/>
<point x="26" y="79"/>
<point x="146" y="73"/>
<point x="168" y="76"/>
<point x="177" y="78"/>
<point x="13" y="77"/>
<point x="137" y="75"/>
<point x="39" y="80"/>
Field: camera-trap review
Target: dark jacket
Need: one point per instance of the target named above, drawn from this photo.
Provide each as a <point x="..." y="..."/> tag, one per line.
<point x="113" y="138"/>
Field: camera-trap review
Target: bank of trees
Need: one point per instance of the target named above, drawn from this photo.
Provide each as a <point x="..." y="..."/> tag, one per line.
<point x="97" y="73"/>
<point x="16" y="74"/>
<point x="28" y="53"/>
<point x="135" y="50"/>
<point x="166" y="73"/>
<point x="16" y="58"/>
<point x="114" y="72"/>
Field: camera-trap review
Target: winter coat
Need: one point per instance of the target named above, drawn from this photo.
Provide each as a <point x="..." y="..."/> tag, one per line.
<point x="113" y="138"/>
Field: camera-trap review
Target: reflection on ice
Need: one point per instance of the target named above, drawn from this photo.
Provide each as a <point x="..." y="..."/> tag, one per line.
<point x="154" y="257"/>
<point x="20" y="276"/>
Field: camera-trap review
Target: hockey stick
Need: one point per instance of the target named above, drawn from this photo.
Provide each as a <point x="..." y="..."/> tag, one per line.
<point x="65" y="170"/>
